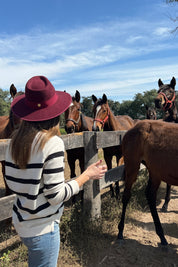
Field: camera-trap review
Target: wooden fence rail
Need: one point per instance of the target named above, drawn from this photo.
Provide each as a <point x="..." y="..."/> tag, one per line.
<point x="91" y="141"/>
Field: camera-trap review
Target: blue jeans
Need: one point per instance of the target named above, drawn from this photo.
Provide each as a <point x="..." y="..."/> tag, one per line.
<point x="43" y="250"/>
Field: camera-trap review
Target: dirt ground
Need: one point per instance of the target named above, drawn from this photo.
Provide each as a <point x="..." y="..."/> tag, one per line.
<point x="140" y="248"/>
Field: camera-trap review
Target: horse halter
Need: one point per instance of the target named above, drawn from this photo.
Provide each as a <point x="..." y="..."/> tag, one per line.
<point x="168" y="102"/>
<point x="102" y="121"/>
<point x="75" y="121"/>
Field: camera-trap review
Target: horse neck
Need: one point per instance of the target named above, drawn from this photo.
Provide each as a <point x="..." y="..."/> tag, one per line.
<point x="88" y="123"/>
<point x="111" y="124"/>
<point x="171" y="115"/>
<point x="85" y="123"/>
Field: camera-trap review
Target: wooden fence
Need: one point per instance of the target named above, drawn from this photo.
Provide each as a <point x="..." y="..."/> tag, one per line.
<point x="92" y="142"/>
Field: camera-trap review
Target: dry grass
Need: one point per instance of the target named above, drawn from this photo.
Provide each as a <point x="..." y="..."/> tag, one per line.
<point x="94" y="243"/>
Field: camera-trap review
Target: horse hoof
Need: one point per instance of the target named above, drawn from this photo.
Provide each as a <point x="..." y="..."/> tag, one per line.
<point x="164" y="242"/>
<point x="164" y="208"/>
<point x="120" y="236"/>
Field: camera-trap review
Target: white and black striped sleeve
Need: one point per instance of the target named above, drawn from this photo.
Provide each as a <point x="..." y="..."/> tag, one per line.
<point x="56" y="190"/>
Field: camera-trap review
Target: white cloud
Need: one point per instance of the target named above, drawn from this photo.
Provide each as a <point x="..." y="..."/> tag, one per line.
<point x="162" y="31"/>
<point x="98" y="57"/>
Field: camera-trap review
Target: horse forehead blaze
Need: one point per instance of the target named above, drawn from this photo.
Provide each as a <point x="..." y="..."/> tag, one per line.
<point x="98" y="108"/>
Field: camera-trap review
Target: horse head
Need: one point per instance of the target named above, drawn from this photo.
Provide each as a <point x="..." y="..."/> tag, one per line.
<point x="150" y="113"/>
<point x="166" y="95"/>
<point x="100" y="111"/>
<point x="13" y="91"/>
<point x="73" y="115"/>
<point x="14" y="121"/>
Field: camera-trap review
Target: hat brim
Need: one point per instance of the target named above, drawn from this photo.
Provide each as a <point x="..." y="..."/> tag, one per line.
<point x="21" y="110"/>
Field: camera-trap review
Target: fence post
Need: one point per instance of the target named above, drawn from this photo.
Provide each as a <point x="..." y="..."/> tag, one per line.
<point x="92" y="199"/>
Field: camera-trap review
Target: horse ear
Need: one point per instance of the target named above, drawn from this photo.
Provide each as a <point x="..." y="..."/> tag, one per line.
<point x="104" y="98"/>
<point x="77" y="96"/>
<point x="160" y="82"/>
<point x="173" y="82"/>
<point x="13" y="90"/>
<point x="94" y="98"/>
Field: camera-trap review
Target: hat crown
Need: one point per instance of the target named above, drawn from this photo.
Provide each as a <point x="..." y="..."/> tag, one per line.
<point x="39" y="89"/>
<point x="41" y="101"/>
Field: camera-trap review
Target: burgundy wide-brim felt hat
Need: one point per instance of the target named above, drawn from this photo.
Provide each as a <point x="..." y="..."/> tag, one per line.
<point x="40" y="102"/>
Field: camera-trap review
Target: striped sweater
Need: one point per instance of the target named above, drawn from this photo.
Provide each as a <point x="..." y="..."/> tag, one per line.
<point x="40" y="188"/>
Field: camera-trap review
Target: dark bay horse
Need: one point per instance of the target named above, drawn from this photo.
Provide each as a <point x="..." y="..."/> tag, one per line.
<point x="105" y="120"/>
<point x="7" y="125"/>
<point x="75" y="122"/>
<point x="165" y="100"/>
<point x="156" y="144"/>
<point x="150" y="113"/>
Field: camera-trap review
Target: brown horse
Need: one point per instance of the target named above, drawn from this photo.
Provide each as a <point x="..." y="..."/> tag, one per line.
<point x="105" y="120"/>
<point x="150" y="113"/>
<point x="7" y="125"/>
<point x="76" y="122"/>
<point x="165" y="100"/>
<point x="156" y="144"/>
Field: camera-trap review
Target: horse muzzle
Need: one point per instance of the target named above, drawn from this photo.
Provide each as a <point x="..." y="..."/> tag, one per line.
<point x="95" y="129"/>
<point x="70" y="130"/>
<point x="158" y="103"/>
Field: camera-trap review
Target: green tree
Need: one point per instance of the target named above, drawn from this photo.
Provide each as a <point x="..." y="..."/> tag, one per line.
<point x="114" y="106"/>
<point x="125" y="108"/>
<point x="87" y="106"/>
<point x="4" y="102"/>
<point x="137" y="108"/>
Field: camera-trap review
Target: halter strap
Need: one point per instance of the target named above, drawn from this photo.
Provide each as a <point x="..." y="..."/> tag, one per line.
<point x="167" y="100"/>
<point x="102" y="121"/>
<point x="75" y="121"/>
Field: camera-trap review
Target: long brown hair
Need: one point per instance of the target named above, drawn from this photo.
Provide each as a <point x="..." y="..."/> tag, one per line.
<point x="23" y="137"/>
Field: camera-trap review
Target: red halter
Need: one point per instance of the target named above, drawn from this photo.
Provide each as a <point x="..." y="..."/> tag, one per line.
<point x="167" y="100"/>
<point x="102" y="121"/>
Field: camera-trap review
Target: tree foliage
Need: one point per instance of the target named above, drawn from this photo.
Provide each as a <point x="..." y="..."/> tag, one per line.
<point x="4" y="102"/>
<point x="87" y="106"/>
<point x="136" y="108"/>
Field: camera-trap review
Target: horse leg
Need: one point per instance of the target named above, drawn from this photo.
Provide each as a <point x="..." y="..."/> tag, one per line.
<point x="8" y="192"/>
<point x="125" y="201"/>
<point x="71" y="161"/>
<point x="131" y="172"/>
<point x="151" y="191"/>
<point x="120" y="161"/>
<point x="167" y="198"/>
<point x="108" y="160"/>
<point x="82" y="168"/>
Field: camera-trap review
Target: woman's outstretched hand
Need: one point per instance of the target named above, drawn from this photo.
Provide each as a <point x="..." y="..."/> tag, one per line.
<point x="96" y="170"/>
<point x="93" y="172"/>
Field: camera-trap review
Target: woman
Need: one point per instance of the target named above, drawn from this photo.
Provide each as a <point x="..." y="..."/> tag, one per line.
<point x="34" y="170"/>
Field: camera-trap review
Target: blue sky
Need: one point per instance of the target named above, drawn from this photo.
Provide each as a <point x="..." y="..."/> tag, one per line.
<point x="115" y="47"/>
